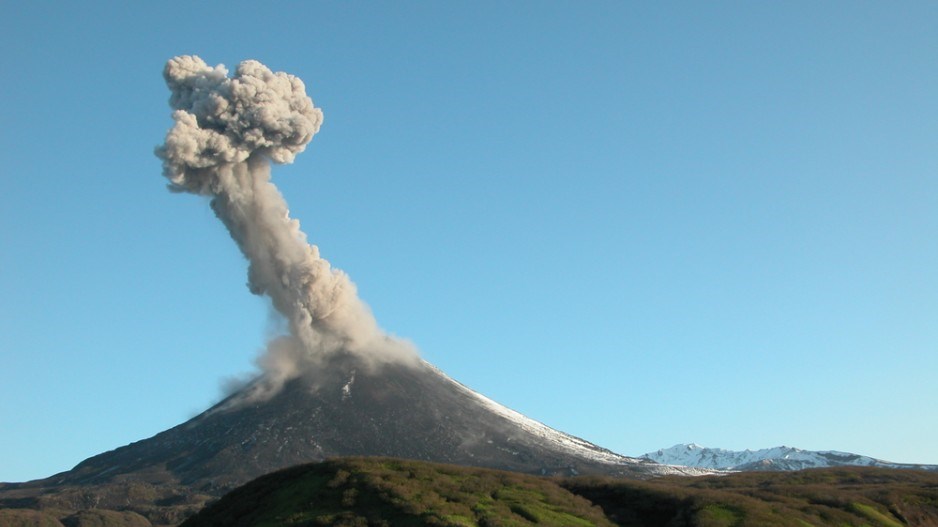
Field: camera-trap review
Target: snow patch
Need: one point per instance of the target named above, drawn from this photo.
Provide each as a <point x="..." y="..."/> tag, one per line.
<point x="347" y="389"/>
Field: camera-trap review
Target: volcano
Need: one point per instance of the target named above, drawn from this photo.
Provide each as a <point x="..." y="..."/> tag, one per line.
<point x="347" y="409"/>
<point x="406" y="410"/>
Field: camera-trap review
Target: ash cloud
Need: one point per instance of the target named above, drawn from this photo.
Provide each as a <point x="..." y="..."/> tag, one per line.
<point x="227" y="132"/>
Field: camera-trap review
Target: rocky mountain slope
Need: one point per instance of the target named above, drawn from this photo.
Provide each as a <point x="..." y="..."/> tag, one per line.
<point x="344" y="409"/>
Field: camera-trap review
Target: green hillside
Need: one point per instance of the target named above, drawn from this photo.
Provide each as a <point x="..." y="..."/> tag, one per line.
<point x="390" y="492"/>
<point x="821" y="497"/>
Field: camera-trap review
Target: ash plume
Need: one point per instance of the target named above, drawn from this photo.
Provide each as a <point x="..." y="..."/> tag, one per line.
<point x="227" y="132"/>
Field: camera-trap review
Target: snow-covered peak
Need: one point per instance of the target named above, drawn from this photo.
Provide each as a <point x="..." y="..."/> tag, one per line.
<point x="777" y="458"/>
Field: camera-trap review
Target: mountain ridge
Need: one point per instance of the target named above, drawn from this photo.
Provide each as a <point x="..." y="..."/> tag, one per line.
<point x="782" y="458"/>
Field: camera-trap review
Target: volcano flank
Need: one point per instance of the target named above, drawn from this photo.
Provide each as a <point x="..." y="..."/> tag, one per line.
<point x="414" y="412"/>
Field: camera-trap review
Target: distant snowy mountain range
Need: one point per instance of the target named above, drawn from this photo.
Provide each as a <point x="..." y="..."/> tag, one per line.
<point x="767" y="459"/>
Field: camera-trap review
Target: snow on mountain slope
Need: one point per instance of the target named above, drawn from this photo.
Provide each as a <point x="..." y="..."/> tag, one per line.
<point x="562" y="441"/>
<point x="776" y="459"/>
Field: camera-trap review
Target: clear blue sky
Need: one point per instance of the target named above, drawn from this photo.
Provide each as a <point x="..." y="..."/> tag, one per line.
<point x="642" y="223"/>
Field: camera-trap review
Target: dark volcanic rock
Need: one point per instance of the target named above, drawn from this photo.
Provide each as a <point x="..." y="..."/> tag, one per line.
<point x="413" y="412"/>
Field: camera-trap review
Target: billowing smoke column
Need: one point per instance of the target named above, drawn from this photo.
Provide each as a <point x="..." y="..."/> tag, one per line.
<point x="226" y="133"/>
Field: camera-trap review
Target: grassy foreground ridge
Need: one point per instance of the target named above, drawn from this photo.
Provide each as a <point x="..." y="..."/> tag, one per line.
<point x="392" y="492"/>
